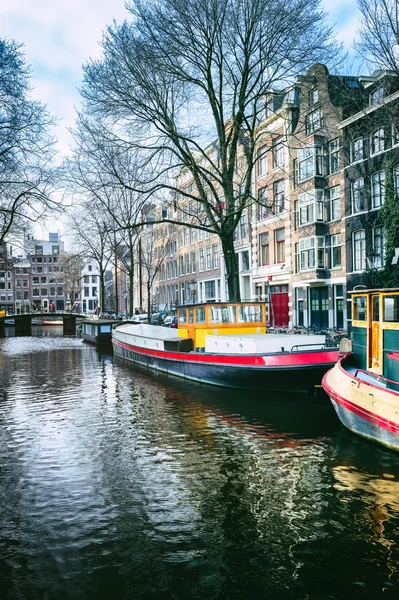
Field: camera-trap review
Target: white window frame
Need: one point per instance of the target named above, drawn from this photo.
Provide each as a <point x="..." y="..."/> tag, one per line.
<point x="336" y="243"/>
<point x="359" y="250"/>
<point x="314" y="121"/>
<point x="310" y="207"/>
<point x="378" y="189"/>
<point x="333" y="155"/>
<point x="377" y="141"/>
<point x="312" y="253"/>
<point x="335" y="203"/>
<point x="354" y="190"/>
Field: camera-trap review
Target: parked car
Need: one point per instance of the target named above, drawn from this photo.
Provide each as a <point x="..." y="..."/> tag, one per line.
<point x="158" y="318"/>
<point x="143" y="318"/>
<point x="170" y="321"/>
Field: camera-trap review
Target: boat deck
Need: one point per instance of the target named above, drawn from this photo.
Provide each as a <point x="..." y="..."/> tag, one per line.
<point x="264" y="343"/>
<point x="374" y="379"/>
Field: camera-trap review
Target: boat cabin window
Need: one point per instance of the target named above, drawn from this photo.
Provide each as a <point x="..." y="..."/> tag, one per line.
<point x="200" y="315"/>
<point x="223" y="314"/>
<point x="376" y="308"/>
<point x="105" y="328"/>
<point x="249" y="314"/>
<point x="182" y="316"/>
<point x="391" y="309"/>
<point x="359" y="308"/>
<point x="191" y="316"/>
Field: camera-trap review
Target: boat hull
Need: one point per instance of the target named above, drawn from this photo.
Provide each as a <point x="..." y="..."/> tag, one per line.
<point x="275" y="372"/>
<point x="363" y="403"/>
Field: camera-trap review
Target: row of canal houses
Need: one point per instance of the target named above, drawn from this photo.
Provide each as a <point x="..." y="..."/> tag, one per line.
<point x="314" y="230"/>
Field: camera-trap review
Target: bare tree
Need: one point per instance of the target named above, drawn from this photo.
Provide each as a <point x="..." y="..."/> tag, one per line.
<point x="379" y="33"/>
<point x="72" y="264"/>
<point x="184" y="85"/>
<point x="91" y="239"/>
<point x="27" y="156"/>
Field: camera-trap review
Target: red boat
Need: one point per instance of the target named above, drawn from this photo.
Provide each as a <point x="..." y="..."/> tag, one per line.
<point x="227" y="345"/>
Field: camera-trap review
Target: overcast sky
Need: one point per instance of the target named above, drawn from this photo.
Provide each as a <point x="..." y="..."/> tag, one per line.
<point x="60" y="35"/>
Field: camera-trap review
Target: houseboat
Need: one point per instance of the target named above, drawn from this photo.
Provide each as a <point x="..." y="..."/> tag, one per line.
<point x="96" y="331"/>
<point x="364" y="386"/>
<point x="226" y="344"/>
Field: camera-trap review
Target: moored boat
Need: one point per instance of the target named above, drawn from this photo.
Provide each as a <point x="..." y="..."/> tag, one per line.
<point x="364" y="386"/>
<point x="53" y="322"/>
<point x="97" y="331"/>
<point x="226" y="345"/>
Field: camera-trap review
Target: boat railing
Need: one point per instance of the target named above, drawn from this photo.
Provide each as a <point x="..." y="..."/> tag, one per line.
<point x="371" y="377"/>
<point x="316" y="345"/>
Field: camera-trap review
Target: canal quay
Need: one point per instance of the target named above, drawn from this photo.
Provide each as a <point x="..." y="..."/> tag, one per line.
<point x="118" y="483"/>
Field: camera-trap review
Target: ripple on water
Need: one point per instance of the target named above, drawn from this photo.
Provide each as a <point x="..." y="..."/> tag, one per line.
<point x="122" y="484"/>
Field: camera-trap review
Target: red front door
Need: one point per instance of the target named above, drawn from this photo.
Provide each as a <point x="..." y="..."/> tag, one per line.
<point x="279" y="309"/>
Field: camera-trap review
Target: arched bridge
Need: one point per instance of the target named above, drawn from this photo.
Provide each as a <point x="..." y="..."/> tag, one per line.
<point x="23" y="323"/>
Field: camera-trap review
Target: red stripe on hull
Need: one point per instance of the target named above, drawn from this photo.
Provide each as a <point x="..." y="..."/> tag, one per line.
<point x="266" y="360"/>
<point x="369" y="416"/>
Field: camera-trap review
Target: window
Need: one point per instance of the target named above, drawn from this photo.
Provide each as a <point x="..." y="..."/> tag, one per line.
<point x="333" y="156"/>
<point x="314" y="121"/>
<point x="86" y="292"/>
<point x="187" y="261"/>
<point x="310" y="162"/>
<point x="357" y="150"/>
<point x="200" y="315"/>
<point x="376" y="96"/>
<point x="90" y="268"/>
<point x="310" y="207"/>
<point x="263" y="207"/>
<point x="86" y="279"/>
<point x="208" y="258"/>
<point x="391" y="309"/>
<point x="378" y="188"/>
<point x="358" y="200"/>
<point x="180" y="239"/>
<point x="43" y="291"/>
<point x="201" y="260"/>
<point x="335" y="250"/>
<point x="35" y="292"/>
<point x="250" y="314"/>
<point x="378" y="141"/>
<point x="215" y="249"/>
<point x="243" y="227"/>
<point x="264" y="250"/>
<point x="311" y="253"/>
<point x="359" y="250"/>
<point x="280" y="245"/>
<point x="335" y="203"/>
<point x="262" y="161"/>
<point x="378" y="248"/>
<point x="200" y="235"/>
<point x="181" y="265"/>
<point x="222" y="314"/>
<point x="192" y="236"/>
<point x="186" y="237"/>
<point x="278" y="196"/>
<point x="245" y="261"/>
<point x="313" y="96"/>
<point x="278" y="154"/>
<point x="60" y="291"/>
<point x="193" y="268"/>
<point x="359" y="308"/>
<point x="94" y="278"/>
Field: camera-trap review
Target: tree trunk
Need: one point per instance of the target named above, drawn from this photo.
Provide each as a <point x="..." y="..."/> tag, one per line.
<point x="102" y="289"/>
<point x="231" y="262"/>
<point x="131" y="276"/>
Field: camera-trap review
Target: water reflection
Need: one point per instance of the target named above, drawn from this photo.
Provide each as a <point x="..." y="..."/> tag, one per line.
<point x="127" y="484"/>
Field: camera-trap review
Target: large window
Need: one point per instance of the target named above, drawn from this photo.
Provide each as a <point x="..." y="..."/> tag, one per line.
<point x="280" y="245"/>
<point x="310" y="207"/>
<point x="311" y="253"/>
<point x="357" y="150"/>
<point x="278" y="196"/>
<point x="208" y="258"/>
<point x="333" y="156"/>
<point x="215" y="250"/>
<point x="378" y="248"/>
<point x="263" y="203"/>
<point x="243" y="227"/>
<point x="314" y="121"/>
<point x="193" y="262"/>
<point x="378" y="188"/>
<point x="264" y="250"/>
<point x="359" y="250"/>
<point x="187" y="261"/>
<point x="335" y="203"/>
<point x="278" y="154"/>
<point x="262" y="161"/>
<point x="201" y="260"/>
<point x="181" y="265"/>
<point x="336" y="251"/>
<point x="358" y="200"/>
<point x="310" y="162"/>
<point x="378" y="141"/>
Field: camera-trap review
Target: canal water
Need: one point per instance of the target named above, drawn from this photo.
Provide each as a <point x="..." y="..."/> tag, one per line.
<point x="124" y="484"/>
